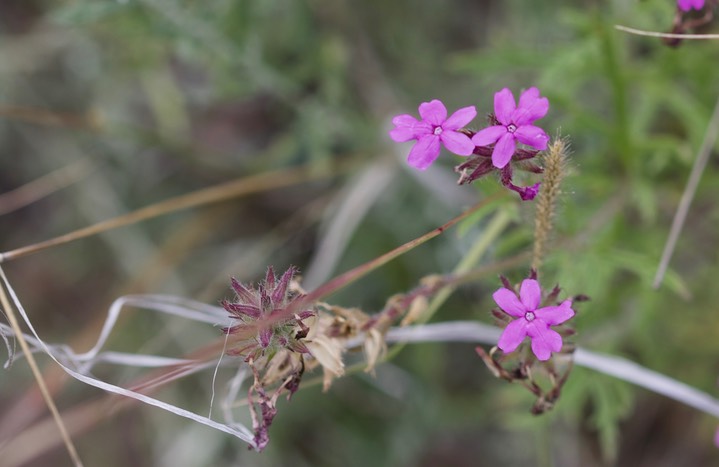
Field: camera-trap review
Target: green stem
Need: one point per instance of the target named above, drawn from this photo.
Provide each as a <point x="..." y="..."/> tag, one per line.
<point x="613" y="69"/>
<point x="496" y="226"/>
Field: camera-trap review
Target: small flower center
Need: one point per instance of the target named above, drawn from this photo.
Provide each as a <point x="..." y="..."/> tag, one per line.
<point x="529" y="316"/>
<point x="511" y="128"/>
<point x="438" y="131"/>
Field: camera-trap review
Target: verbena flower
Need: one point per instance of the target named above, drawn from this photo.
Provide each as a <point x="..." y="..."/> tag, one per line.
<point x="531" y="320"/>
<point x="686" y="5"/>
<point x="514" y="124"/>
<point x="434" y="128"/>
<point x="256" y="310"/>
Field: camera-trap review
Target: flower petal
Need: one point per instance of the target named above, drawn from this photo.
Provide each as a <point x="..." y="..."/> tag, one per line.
<point x="531" y="294"/>
<point x="457" y="142"/>
<point x="513" y="335"/>
<point x="433" y="112"/>
<point x="544" y="340"/>
<point x="531" y="107"/>
<point x="503" y="151"/>
<point x="280" y="291"/>
<point x="509" y="302"/>
<point x="460" y="118"/>
<point x="532" y="136"/>
<point x="556" y="314"/>
<point x="504" y="106"/>
<point x="424" y="152"/>
<point x="239" y="309"/>
<point x="686" y="5"/>
<point x="408" y="127"/>
<point x="404" y="120"/>
<point x="489" y="135"/>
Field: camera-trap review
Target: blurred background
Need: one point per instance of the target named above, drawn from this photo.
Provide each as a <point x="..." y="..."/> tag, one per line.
<point x="107" y="106"/>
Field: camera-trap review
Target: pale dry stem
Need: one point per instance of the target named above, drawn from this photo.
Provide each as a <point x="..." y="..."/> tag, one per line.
<point x="39" y="378"/>
<point x="700" y="163"/>
<point x="256" y="183"/>
<point x="665" y="35"/>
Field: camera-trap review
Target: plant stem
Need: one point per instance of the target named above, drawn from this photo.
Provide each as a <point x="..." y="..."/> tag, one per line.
<point x="620" y="368"/>
<point x="38" y="376"/>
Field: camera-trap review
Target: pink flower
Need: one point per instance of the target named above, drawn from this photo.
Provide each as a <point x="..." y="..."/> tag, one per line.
<point x="516" y="125"/>
<point x="434" y="128"/>
<point x="531" y="321"/>
<point x="686" y="5"/>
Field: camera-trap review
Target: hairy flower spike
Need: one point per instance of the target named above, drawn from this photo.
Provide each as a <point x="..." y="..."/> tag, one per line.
<point x="555" y="162"/>
<point x="255" y="305"/>
<point x="434" y="128"/>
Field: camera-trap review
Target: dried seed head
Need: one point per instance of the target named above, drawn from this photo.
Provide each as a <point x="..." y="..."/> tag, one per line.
<point x="255" y="311"/>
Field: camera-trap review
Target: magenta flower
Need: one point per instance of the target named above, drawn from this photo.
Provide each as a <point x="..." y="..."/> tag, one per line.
<point x="516" y="125"/>
<point x="531" y="321"/>
<point x="686" y="5"/>
<point x="433" y="129"/>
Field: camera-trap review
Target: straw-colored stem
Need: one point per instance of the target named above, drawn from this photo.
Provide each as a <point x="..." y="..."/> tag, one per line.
<point x="43" y="186"/>
<point x="354" y="274"/>
<point x="256" y="183"/>
<point x="10" y="313"/>
<point x="666" y="35"/>
<point x="700" y="163"/>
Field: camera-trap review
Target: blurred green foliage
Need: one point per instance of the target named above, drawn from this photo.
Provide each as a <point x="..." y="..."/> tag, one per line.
<point x="190" y="94"/>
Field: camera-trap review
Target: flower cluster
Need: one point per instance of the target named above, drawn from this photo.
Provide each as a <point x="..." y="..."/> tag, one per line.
<point x="531" y="314"/>
<point x="492" y="148"/>
<point x="531" y="320"/>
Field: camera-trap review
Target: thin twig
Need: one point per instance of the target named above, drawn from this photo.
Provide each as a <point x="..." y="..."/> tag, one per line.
<point x="356" y="273"/>
<point x="260" y="182"/>
<point x="680" y="216"/>
<point x="38" y="377"/>
<point x="620" y="368"/>
<point x="666" y="35"/>
<point x="43" y="186"/>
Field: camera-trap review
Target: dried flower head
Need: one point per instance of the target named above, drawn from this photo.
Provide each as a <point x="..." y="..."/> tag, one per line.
<point x="261" y="328"/>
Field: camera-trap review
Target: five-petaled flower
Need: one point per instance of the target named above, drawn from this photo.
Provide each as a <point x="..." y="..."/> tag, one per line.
<point x="516" y="124"/>
<point x="686" y="5"/>
<point x="433" y="129"/>
<point x="531" y="320"/>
